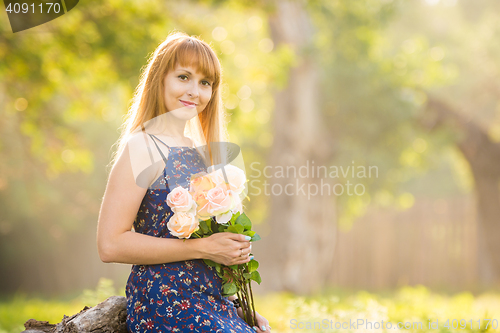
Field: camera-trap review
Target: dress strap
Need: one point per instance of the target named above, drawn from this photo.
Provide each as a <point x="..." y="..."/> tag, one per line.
<point x="160" y="140"/>
<point x="147" y="144"/>
<point x="159" y="150"/>
<point x="151" y="154"/>
<point x="190" y="147"/>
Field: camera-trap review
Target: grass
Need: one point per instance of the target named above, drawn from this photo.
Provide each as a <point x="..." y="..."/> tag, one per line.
<point x="408" y="305"/>
<point x="17" y="310"/>
<point x="322" y="313"/>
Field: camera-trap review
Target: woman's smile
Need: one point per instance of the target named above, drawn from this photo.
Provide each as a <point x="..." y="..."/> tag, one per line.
<point x="188" y="104"/>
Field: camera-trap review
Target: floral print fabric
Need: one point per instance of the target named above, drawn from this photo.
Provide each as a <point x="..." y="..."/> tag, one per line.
<point x="182" y="296"/>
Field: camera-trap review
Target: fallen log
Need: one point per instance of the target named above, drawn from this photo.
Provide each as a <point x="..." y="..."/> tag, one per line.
<point x="107" y="317"/>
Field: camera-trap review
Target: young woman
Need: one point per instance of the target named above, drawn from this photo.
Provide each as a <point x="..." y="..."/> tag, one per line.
<point x="170" y="288"/>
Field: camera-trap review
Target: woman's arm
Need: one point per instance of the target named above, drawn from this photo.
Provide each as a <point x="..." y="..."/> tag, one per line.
<point x="116" y="242"/>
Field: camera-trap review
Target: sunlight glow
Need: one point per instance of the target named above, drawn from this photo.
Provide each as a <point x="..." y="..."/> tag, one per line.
<point x="432" y="2"/>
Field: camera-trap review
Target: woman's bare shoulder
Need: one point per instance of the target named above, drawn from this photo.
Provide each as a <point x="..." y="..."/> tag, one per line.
<point x="143" y="145"/>
<point x="147" y="163"/>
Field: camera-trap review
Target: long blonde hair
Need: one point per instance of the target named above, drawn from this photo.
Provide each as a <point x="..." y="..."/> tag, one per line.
<point x="148" y="101"/>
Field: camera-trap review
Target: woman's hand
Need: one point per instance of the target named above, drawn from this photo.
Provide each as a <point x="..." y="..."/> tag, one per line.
<point x="227" y="248"/>
<point x="262" y="323"/>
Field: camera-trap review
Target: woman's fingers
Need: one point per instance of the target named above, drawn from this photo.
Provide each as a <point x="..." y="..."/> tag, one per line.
<point x="238" y="241"/>
<point x="263" y="324"/>
<point x="244" y="251"/>
<point x="263" y="328"/>
<point x="243" y="247"/>
<point x="241" y="259"/>
<point x="230" y="248"/>
<point x="237" y="237"/>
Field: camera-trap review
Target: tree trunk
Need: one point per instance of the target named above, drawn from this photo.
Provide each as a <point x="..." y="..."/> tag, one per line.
<point x="298" y="253"/>
<point x="107" y="317"/>
<point x="483" y="156"/>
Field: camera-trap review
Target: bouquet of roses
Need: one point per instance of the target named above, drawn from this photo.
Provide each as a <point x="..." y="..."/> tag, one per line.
<point x="213" y="204"/>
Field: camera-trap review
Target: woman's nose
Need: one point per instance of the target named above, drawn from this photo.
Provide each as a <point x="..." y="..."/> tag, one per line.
<point x="193" y="90"/>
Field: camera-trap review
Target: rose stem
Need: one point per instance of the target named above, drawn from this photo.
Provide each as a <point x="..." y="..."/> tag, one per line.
<point x="244" y="303"/>
<point x="247" y="300"/>
<point x="241" y="298"/>
<point x="251" y="296"/>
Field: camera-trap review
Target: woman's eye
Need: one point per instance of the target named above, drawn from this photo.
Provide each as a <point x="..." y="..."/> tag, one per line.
<point x="208" y="83"/>
<point x="181" y="76"/>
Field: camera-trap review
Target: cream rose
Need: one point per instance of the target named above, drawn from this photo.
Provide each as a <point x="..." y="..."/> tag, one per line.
<point x="182" y="224"/>
<point x="235" y="176"/>
<point x="180" y="200"/>
<point x="217" y="177"/>
<point x="238" y="207"/>
<point x="202" y="202"/>
<point x="199" y="188"/>
<point x="201" y="183"/>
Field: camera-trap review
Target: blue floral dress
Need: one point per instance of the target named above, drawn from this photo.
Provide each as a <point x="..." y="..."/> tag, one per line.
<point x="182" y="296"/>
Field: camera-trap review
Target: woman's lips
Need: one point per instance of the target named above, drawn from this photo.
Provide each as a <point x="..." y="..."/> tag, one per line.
<point x="191" y="105"/>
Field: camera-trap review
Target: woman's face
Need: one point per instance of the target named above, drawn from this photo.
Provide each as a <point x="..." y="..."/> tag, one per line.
<point x="187" y="92"/>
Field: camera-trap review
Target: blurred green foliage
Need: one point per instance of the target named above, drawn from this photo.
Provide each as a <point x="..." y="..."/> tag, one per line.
<point x="379" y="60"/>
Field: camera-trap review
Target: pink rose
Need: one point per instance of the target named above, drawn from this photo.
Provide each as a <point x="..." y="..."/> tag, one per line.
<point x="182" y="224"/>
<point x="180" y="200"/>
<point x="220" y="202"/>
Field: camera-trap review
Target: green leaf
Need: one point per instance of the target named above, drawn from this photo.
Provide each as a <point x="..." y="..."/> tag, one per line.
<point x="237" y="229"/>
<point x="247" y="276"/>
<point x="234" y="217"/>
<point x="255" y="237"/>
<point x="252" y="265"/>
<point x="256" y="277"/>
<point x="249" y="233"/>
<point x="214" y="226"/>
<point x="235" y="267"/>
<point x="244" y="221"/>
<point x="214" y="264"/>
<point x="229" y="289"/>
<point x="204" y="227"/>
<point x="210" y="262"/>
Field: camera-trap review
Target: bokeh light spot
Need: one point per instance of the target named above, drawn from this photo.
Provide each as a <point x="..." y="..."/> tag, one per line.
<point x="219" y="34"/>
<point x="21" y="104"/>
<point x="266" y="45"/>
